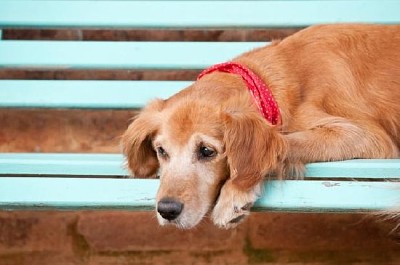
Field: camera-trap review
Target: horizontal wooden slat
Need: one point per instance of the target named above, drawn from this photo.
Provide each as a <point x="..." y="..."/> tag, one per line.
<point x="118" y="55"/>
<point x="69" y="193"/>
<point x="139" y="194"/>
<point x="46" y="164"/>
<point x="197" y="14"/>
<point x="329" y="196"/>
<point x="113" y="165"/>
<point x="84" y="94"/>
<point x="355" y="168"/>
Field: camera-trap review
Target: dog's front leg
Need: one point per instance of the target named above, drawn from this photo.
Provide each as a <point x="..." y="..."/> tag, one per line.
<point x="335" y="138"/>
<point x="234" y="204"/>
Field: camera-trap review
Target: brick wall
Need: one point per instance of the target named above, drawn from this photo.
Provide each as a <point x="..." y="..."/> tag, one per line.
<point x="135" y="238"/>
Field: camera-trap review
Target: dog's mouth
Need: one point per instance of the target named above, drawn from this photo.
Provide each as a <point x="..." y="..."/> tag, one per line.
<point x="180" y="222"/>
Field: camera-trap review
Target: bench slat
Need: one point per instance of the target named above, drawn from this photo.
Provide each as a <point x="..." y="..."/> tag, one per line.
<point x="367" y="168"/>
<point x="139" y="194"/>
<point x="329" y="196"/>
<point x="118" y="55"/>
<point x="112" y="165"/>
<point x="82" y="94"/>
<point x="50" y="164"/>
<point x="69" y="193"/>
<point x="196" y="14"/>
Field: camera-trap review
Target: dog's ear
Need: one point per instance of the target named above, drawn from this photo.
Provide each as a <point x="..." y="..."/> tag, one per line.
<point x="254" y="148"/>
<point x="137" y="141"/>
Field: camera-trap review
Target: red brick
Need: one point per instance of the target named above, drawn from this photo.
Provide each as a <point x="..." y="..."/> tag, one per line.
<point x="36" y="231"/>
<point x="168" y="258"/>
<point x="152" y="35"/>
<point x="41" y="258"/>
<point x="50" y="34"/>
<point x="343" y="238"/>
<point x="62" y="130"/>
<point x="322" y="231"/>
<point x="139" y="231"/>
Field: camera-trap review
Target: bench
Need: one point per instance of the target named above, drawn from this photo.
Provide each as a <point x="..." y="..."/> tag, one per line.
<point x="69" y="181"/>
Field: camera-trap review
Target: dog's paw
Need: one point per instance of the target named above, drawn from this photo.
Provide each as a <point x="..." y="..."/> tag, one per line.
<point x="233" y="205"/>
<point x="229" y="215"/>
<point x="292" y="170"/>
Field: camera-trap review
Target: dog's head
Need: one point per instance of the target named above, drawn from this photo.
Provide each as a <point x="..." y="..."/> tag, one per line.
<point x="196" y="142"/>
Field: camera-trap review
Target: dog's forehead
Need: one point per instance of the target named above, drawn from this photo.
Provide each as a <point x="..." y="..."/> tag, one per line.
<point x="185" y="120"/>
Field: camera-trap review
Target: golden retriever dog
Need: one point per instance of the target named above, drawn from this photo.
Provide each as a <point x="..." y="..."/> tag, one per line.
<point x="328" y="92"/>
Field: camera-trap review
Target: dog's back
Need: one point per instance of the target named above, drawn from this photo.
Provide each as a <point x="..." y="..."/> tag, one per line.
<point x="361" y="62"/>
<point x="351" y="71"/>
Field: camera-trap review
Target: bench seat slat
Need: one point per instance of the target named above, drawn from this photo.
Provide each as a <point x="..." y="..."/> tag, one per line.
<point x="113" y="165"/>
<point x="83" y="94"/>
<point x="69" y="193"/>
<point x="139" y="194"/>
<point x="329" y="195"/>
<point x="118" y="55"/>
<point x="196" y="14"/>
<point x="367" y="168"/>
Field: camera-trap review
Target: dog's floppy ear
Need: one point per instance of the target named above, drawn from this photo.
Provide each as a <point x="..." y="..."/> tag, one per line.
<point x="137" y="141"/>
<point x="253" y="147"/>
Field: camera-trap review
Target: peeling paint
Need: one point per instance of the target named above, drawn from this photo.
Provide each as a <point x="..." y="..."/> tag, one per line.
<point x="329" y="184"/>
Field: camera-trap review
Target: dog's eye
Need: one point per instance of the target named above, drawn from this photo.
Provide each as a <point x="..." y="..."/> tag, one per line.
<point x="206" y="152"/>
<point x="161" y="152"/>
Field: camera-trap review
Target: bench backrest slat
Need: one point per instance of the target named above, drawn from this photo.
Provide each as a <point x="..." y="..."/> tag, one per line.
<point x="118" y="55"/>
<point x="93" y="94"/>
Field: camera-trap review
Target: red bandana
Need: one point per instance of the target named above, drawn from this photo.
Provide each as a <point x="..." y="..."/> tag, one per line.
<point x="261" y="94"/>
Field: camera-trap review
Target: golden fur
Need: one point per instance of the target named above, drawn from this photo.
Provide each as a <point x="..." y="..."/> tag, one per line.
<point x="338" y="90"/>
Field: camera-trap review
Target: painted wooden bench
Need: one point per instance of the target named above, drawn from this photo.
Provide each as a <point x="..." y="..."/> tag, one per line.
<point x="97" y="181"/>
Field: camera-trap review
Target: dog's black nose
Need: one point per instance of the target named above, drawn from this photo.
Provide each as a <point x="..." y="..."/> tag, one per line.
<point x="169" y="208"/>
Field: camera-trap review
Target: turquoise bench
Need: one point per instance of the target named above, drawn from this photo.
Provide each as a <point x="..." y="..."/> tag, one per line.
<point x="98" y="181"/>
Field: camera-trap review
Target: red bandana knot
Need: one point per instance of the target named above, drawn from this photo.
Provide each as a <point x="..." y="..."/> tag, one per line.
<point x="262" y="95"/>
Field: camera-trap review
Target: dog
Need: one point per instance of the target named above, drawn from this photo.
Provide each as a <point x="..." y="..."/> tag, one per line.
<point x="326" y="93"/>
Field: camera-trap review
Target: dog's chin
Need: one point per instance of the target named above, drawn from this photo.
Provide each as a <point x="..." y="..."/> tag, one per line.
<point x="180" y="222"/>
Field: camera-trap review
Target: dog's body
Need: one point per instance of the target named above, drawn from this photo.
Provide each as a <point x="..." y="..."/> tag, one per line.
<point x="338" y="91"/>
